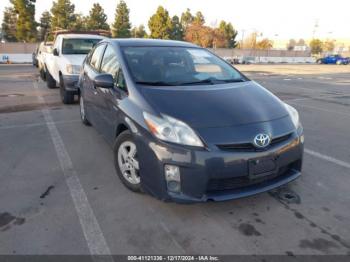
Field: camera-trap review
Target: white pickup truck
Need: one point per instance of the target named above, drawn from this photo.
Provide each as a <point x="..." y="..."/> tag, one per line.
<point x="63" y="64"/>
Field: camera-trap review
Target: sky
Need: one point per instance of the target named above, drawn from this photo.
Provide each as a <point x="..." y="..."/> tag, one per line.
<point x="275" y="19"/>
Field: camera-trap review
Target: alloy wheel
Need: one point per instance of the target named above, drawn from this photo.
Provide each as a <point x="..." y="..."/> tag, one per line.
<point x="128" y="163"/>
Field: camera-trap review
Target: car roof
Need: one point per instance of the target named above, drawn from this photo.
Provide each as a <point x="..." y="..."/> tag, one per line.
<point x="149" y="42"/>
<point x="82" y="36"/>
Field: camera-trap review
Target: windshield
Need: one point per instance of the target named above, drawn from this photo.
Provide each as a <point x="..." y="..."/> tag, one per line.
<point x="72" y="46"/>
<point x="178" y="66"/>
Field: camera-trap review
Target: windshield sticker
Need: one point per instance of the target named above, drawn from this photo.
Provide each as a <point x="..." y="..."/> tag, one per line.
<point x="199" y="53"/>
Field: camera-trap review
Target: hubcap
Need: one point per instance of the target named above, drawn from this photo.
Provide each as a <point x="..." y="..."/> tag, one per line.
<point x="82" y="109"/>
<point x="127" y="161"/>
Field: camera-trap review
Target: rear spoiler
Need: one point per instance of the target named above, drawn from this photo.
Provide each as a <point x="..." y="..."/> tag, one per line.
<point x="56" y="33"/>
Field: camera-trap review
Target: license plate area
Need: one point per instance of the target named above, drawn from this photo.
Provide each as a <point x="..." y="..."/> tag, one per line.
<point x="261" y="167"/>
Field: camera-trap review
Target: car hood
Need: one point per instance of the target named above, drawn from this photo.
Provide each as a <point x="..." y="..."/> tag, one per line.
<point x="73" y="59"/>
<point x="216" y="105"/>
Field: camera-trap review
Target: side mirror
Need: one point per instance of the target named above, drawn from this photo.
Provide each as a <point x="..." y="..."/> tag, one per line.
<point x="55" y="52"/>
<point x="104" y="81"/>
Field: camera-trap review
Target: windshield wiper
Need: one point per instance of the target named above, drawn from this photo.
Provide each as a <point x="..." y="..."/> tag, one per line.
<point x="155" y="83"/>
<point x="213" y="81"/>
<point x="235" y="80"/>
<point x="204" y="81"/>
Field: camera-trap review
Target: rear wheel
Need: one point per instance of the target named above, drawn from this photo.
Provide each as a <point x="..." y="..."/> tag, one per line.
<point x="66" y="97"/>
<point x="50" y="81"/>
<point x="126" y="161"/>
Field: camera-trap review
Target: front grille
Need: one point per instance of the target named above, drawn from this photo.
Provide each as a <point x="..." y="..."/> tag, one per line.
<point x="280" y="139"/>
<point x="215" y="185"/>
<point x="250" y="146"/>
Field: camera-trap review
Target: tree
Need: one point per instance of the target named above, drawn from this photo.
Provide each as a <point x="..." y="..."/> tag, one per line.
<point x="228" y="34"/>
<point x="121" y="27"/>
<point x="45" y="25"/>
<point x="199" y="35"/>
<point x="139" y="32"/>
<point x="219" y="40"/>
<point x="329" y="45"/>
<point x="186" y="18"/>
<point x="291" y="44"/>
<point x="199" y="18"/>
<point x="8" y="25"/>
<point x="97" y="18"/>
<point x="264" y="44"/>
<point x="250" y="41"/>
<point x="301" y="42"/>
<point x="26" y="25"/>
<point x="177" y="29"/>
<point x="79" y="23"/>
<point x="316" y="46"/>
<point x="63" y="16"/>
<point x="160" y="24"/>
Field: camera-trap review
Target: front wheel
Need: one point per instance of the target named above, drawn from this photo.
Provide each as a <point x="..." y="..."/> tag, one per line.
<point x="126" y="161"/>
<point x="66" y="97"/>
<point x="83" y="112"/>
<point x="50" y="81"/>
<point x="42" y="73"/>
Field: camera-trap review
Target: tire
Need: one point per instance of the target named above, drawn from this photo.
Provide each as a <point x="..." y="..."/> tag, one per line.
<point x="50" y="81"/>
<point x="83" y="115"/>
<point x="66" y="97"/>
<point x="124" y="140"/>
<point x="319" y="61"/>
<point x="42" y="74"/>
<point x="339" y="62"/>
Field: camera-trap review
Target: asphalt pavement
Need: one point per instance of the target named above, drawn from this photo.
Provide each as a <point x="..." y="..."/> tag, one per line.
<point x="59" y="193"/>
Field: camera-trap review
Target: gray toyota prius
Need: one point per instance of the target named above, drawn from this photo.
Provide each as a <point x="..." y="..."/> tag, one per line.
<point x="184" y="124"/>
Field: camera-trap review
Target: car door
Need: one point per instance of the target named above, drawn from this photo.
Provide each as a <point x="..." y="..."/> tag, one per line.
<point x="109" y="109"/>
<point x="333" y="59"/>
<point x="92" y="97"/>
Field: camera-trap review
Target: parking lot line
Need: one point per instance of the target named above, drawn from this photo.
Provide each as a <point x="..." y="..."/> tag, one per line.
<point x="93" y="234"/>
<point x="320" y="109"/>
<point x="314" y="97"/>
<point x="38" y="124"/>
<point x="328" y="158"/>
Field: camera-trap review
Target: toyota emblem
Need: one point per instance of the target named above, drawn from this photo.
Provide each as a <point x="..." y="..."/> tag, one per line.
<point x="262" y="140"/>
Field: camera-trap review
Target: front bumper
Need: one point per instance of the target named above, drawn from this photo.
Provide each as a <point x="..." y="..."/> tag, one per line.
<point x="215" y="174"/>
<point x="71" y="83"/>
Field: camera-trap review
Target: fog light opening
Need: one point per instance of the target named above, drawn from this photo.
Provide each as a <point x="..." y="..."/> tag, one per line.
<point x="288" y="196"/>
<point x="172" y="177"/>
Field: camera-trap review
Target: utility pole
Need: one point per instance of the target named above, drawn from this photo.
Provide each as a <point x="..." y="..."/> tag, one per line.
<point x="315" y="29"/>
<point x="242" y="39"/>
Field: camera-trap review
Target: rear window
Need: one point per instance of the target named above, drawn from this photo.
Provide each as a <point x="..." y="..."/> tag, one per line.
<point x="73" y="46"/>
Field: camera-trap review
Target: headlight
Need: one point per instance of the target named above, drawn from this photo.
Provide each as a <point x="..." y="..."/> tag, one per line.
<point x="172" y="130"/>
<point x="293" y="114"/>
<point x="73" y="69"/>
